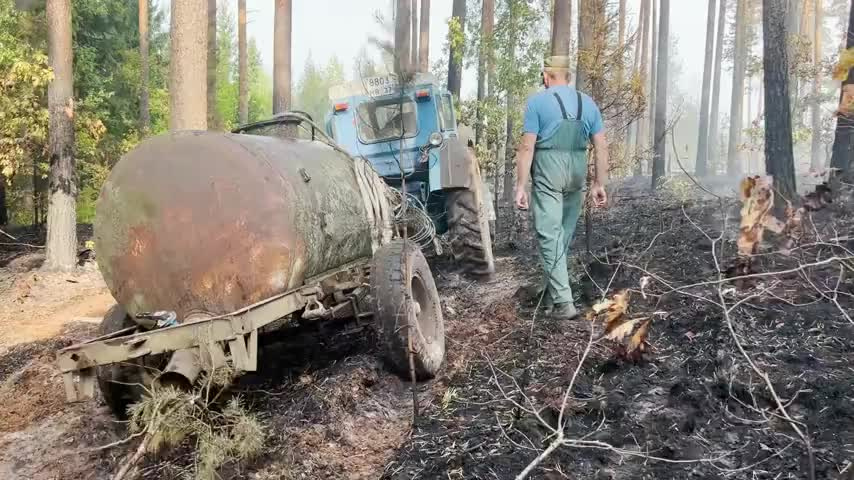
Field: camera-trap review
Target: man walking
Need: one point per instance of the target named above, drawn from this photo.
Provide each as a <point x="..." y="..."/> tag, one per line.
<point x="559" y="125"/>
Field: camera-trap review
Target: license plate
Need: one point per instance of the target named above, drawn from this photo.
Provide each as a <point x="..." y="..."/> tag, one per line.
<point x="381" y="85"/>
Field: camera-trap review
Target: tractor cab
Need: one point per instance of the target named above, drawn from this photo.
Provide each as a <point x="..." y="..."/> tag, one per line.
<point x="396" y="130"/>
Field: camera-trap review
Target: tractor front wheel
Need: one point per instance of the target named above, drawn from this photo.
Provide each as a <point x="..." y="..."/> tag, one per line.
<point x="468" y="229"/>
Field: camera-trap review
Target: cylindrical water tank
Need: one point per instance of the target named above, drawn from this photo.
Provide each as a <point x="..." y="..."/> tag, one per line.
<point x="211" y="222"/>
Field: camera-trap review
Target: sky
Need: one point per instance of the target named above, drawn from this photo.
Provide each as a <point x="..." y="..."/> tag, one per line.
<point x="323" y="28"/>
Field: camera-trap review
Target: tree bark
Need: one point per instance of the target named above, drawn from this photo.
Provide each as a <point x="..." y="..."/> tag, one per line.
<point x="816" y="161"/>
<point x="424" y="37"/>
<point x="793" y="16"/>
<point x="659" y="160"/>
<point x="561" y="27"/>
<point x="61" y="245"/>
<point x="842" y="155"/>
<point x="510" y="141"/>
<point x="585" y="43"/>
<point x="213" y="120"/>
<point x="779" y="159"/>
<point x="188" y="84"/>
<point x="621" y="40"/>
<point x="413" y="38"/>
<point x="487" y="22"/>
<point x="641" y="127"/>
<point x="455" y="67"/>
<point x="4" y="212"/>
<point x="282" y="55"/>
<point x="402" y="38"/>
<point x="701" y="166"/>
<point x="734" y="160"/>
<point x="653" y="83"/>
<point x="714" y="114"/>
<point x="144" y="116"/>
<point x="242" y="65"/>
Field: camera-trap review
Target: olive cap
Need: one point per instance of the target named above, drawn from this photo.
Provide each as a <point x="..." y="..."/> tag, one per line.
<point x="556" y="62"/>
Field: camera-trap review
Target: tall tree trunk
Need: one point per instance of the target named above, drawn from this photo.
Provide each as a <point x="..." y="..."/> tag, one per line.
<point x="659" y="160"/>
<point x="4" y="212"/>
<point x="413" y="37"/>
<point x="282" y="55"/>
<point x="641" y="126"/>
<point x="213" y="120"/>
<point x="701" y="166"/>
<point x="455" y="70"/>
<point x="61" y="246"/>
<point x="242" y="65"/>
<point x="796" y="89"/>
<point x="816" y="151"/>
<point x="487" y="22"/>
<point x="793" y="18"/>
<point x="779" y="159"/>
<point x="748" y="92"/>
<point x="842" y="155"/>
<point x="402" y="36"/>
<point x="653" y="84"/>
<point x="561" y="27"/>
<point x="509" y="148"/>
<point x="492" y="143"/>
<point x="621" y="40"/>
<point x="734" y="160"/>
<point x="188" y="84"/>
<point x="144" y="116"/>
<point x="714" y="113"/>
<point x="424" y="37"/>
<point x="586" y="33"/>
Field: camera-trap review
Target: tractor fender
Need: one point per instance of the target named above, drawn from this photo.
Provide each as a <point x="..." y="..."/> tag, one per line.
<point x="458" y="163"/>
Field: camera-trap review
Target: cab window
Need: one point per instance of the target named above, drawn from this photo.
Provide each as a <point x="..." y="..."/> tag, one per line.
<point x="382" y="120"/>
<point x="446" y="113"/>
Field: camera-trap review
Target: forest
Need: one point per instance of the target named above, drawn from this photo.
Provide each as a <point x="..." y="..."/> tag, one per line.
<point x="714" y="288"/>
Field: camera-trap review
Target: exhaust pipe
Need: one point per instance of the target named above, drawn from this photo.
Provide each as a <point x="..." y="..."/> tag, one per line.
<point x="183" y="369"/>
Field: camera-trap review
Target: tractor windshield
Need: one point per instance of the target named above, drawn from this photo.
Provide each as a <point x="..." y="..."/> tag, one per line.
<point x="381" y="120"/>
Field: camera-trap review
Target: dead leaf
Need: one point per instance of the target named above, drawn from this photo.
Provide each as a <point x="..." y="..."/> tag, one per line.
<point x="623" y="330"/>
<point x="639" y="338"/>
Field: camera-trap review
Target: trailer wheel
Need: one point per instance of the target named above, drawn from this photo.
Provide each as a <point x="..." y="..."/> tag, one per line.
<point x="121" y="384"/>
<point x="423" y="317"/>
<point x="468" y="228"/>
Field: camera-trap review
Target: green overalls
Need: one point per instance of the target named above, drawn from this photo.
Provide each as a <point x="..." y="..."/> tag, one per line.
<point x="559" y="173"/>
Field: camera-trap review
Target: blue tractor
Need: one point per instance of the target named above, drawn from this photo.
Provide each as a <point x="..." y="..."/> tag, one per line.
<point x="411" y="137"/>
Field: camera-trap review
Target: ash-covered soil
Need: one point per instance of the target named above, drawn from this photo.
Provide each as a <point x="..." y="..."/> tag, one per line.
<point x="692" y="407"/>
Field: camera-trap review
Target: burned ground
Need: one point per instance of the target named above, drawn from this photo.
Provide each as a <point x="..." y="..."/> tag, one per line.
<point x="690" y="408"/>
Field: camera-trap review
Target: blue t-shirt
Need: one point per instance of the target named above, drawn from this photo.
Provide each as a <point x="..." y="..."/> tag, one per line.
<point x="542" y="112"/>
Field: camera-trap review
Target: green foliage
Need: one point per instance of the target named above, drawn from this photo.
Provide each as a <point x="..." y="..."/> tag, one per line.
<point x="24" y="75"/>
<point x="107" y="76"/>
<point x="312" y="93"/>
<point x="167" y="416"/>
<point x="456" y="38"/>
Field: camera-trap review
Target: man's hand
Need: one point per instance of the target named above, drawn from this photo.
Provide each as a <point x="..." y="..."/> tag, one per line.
<point x="598" y="194"/>
<point x="521" y="198"/>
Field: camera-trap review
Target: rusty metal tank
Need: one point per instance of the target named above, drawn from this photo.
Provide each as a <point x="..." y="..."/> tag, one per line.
<point x="206" y="222"/>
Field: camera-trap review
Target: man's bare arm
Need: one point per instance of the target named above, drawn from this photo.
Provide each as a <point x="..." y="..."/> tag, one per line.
<point x="524" y="158"/>
<point x="600" y="147"/>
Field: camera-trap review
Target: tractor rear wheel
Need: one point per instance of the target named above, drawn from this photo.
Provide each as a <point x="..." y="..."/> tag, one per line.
<point x="407" y="310"/>
<point x="468" y="229"/>
<point x="123" y="384"/>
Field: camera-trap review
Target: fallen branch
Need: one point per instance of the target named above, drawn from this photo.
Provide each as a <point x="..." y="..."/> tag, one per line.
<point x="134" y="459"/>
